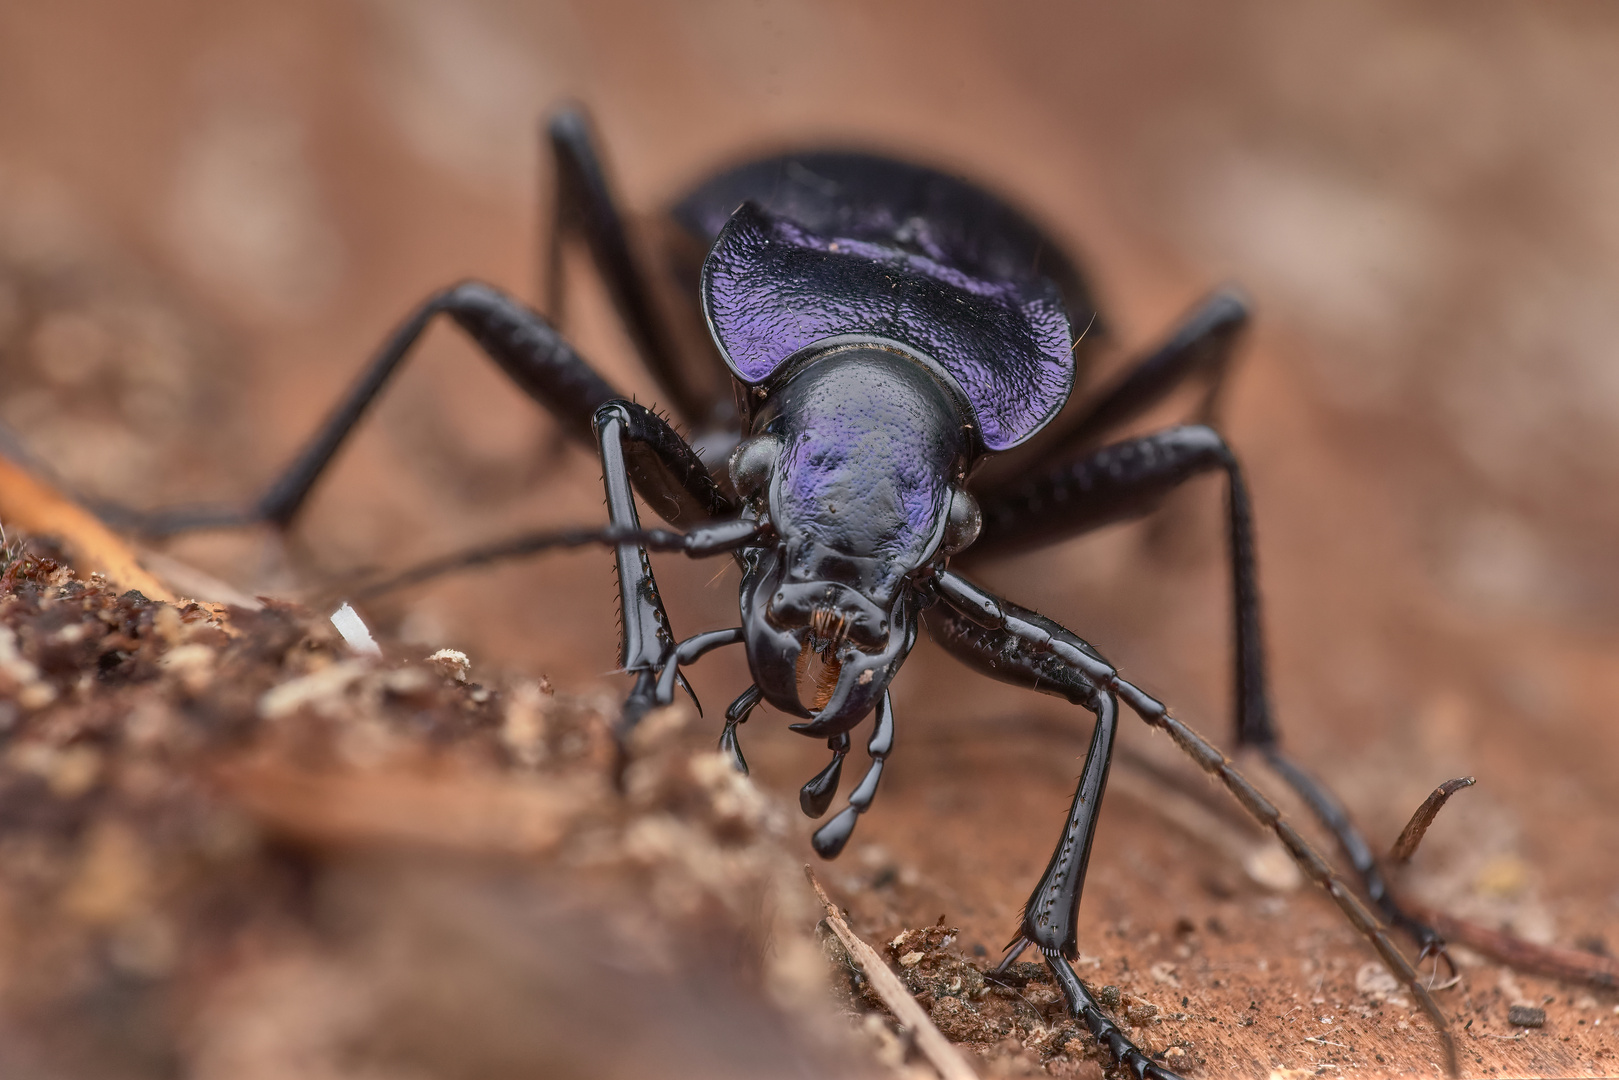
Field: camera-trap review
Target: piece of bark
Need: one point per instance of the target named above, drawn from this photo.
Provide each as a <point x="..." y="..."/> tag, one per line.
<point x="1417" y="827"/>
<point x="31" y="505"/>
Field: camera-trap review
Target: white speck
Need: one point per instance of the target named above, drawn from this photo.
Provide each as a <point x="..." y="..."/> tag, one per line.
<point x="353" y="629"/>
<point x="452" y="663"/>
<point x="1268" y="864"/>
<point x="1375" y="980"/>
<point x="320" y="690"/>
<point x="1164" y="972"/>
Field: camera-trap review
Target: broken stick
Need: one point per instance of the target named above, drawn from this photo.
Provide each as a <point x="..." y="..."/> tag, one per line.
<point x="939" y="1051"/>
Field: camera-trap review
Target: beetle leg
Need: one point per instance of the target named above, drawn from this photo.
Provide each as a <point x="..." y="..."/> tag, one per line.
<point x="738" y="714"/>
<point x="1051" y="915"/>
<point x="1325" y="805"/>
<point x="584" y="206"/>
<point x="717" y="538"/>
<point x="1084" y="1006"/>
<point x="689" y="652"/>
<point x="535" y="357"/>
<point x="637" y="444"/>
<point x="1018" y="646"/>
<point x="1127" y="480"/>
<point x="531" y="353"/>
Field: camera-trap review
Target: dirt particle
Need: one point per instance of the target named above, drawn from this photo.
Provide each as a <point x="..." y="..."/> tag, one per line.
<point x="1526" y="1016"/>
<point x="452" y="664"/>
<point x="958" y="1020"/>
<point x="523" y="728"/>
<point x="321" y="691"/>
<point x="1140" y="1011"/>
<point x="1375" y="981"/>
<point x="1164" y="972"/>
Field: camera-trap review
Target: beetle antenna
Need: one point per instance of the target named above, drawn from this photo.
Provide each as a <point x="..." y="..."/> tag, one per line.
<point x="1212" y="761"/>
<point x="705" y="540"/>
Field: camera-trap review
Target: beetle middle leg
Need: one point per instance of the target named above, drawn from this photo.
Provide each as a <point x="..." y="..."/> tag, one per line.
<point x="585" y="207"/>
<point x="1127" y="480"/>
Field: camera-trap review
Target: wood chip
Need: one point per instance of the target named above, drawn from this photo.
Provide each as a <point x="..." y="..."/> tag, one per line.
<point x="34" y="506"/>
<point x="939" y="1051"/>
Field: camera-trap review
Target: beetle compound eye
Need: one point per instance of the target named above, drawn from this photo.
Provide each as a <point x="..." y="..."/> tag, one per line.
<point x="964" y="523"/>
<point x="752" y="464"/>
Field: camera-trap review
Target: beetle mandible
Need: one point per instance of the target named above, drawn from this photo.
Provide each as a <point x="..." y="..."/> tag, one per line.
<point x="888" y="329"/>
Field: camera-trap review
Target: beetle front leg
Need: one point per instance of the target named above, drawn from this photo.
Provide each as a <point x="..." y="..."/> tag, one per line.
<point x="1051" y="916"/>
<point x="1019" y="646"/>
<point x="646" y="638"/>
<point x="1128" y="479"/>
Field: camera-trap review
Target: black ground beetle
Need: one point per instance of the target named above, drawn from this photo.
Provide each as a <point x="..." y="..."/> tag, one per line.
<point x="887" y="329"/>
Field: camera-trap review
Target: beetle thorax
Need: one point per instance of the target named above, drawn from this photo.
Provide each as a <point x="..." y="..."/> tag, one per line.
<point x="871" y="441"/>
<point x="856" y="461"/>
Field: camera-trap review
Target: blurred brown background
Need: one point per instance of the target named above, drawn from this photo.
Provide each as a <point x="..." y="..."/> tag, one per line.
<point x="211" y="212"/>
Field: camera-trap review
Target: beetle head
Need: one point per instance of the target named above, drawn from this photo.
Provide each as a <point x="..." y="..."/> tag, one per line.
<point x="859" y="463"/>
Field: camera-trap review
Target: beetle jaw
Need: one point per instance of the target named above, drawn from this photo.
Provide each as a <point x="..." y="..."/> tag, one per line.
<point x="826" y="653"/>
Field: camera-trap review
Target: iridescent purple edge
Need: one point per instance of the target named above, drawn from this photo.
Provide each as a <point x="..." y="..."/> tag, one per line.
<point x="770" y="288"/>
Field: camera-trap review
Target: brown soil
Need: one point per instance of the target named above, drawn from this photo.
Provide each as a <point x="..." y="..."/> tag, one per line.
<point x="210" y="214"/>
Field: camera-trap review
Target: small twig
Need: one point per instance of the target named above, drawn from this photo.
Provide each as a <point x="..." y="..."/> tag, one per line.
<point x="940" y="1052"/>
<point x="35" y="507"/>
<point x="1417" y="827"/>
<point x="1574" y="965"/>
